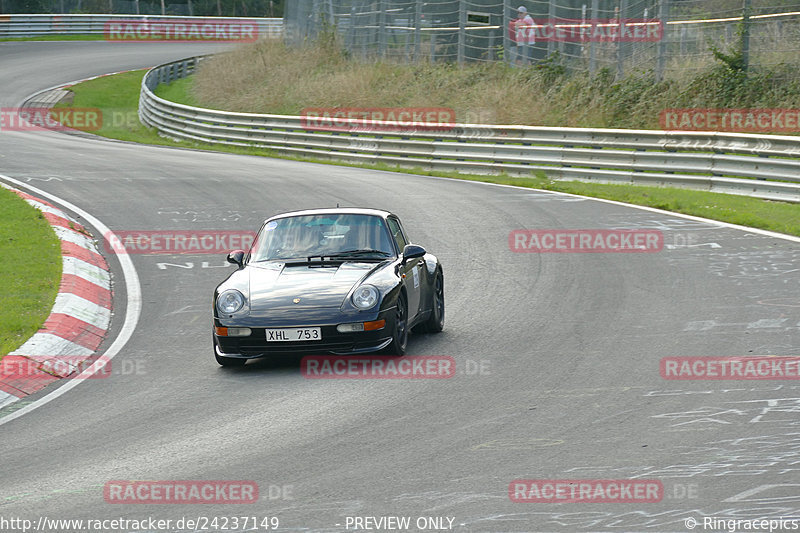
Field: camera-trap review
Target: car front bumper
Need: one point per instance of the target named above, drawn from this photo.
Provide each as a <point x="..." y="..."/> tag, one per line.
<point x="333" y="342"/>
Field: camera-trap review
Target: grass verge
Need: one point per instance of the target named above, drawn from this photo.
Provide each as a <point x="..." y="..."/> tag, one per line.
<point x="118" y="96"/>
<point x="30" y="270"/>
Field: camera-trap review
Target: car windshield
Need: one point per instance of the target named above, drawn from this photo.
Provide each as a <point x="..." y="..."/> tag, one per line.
<point x="314" y="236"/>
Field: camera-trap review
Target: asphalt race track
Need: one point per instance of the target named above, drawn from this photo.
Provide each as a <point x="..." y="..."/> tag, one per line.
<point x="557" y="354"/>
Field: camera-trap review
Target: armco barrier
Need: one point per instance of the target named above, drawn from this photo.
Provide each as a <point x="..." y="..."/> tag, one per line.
<point x="37" y="25"/>
<point x="762" y="166"/>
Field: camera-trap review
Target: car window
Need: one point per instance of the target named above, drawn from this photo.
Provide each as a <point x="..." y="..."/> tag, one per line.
<point x="397" y="233"/>
<point x="300" y="237"/>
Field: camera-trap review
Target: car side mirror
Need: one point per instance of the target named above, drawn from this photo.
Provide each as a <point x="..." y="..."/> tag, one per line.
<point x="412" y="251"/>
<point x="236" y="257"/>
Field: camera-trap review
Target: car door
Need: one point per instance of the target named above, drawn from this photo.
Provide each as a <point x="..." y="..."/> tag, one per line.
<point x="411" y="272"/>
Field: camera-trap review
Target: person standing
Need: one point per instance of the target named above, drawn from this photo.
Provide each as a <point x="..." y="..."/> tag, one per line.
<point x="524" y="36"/>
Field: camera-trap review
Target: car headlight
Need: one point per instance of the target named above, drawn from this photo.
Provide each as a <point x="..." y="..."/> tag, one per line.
<point x="230" y="301"/>
<point x="365" y="297"/>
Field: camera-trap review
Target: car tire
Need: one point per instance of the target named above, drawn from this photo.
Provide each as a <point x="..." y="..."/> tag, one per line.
<point x="435" y="322"/>
<point x="400" y="331"/>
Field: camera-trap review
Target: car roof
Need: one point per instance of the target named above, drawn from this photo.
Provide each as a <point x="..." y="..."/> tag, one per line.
<point x="335" y="211"/>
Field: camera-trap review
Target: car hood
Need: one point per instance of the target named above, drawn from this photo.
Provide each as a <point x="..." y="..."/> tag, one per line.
<point x="275" y="286"/>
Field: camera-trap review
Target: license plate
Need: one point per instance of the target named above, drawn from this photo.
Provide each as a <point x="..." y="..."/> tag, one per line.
<point x="294" y="334"/>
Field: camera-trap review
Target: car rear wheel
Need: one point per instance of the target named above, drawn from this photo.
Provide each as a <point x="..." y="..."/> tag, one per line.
<point x="400" y="333"/>
<point x="435" y="322"/>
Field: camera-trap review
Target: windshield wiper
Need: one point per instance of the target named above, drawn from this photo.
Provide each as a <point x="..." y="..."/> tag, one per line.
<point x="360" y="252"/>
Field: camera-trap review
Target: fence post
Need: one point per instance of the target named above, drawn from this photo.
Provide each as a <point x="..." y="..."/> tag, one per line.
<point x="462" y="32"/>
<point x="350" y="41"/>
<point x="418" y="30"/>
<point x="382" y="28"/>
<point x="504" y="29"/>
<point x="663" y="15"/>
<point x="746" y="35"/>
<point x="551" y="19"/>
<point x="592" y="48"/>
<point x="683" y="39"/>
<point x="622" y="12"/>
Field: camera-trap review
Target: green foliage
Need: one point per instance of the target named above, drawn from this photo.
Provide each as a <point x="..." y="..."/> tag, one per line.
<point x="551" y="68"/>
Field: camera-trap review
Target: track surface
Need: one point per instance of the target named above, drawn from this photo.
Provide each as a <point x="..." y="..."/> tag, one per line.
<point x="571" y="344"/>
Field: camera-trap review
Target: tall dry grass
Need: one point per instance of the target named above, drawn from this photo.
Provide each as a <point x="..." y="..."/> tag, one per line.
<point x="268" y="77"/>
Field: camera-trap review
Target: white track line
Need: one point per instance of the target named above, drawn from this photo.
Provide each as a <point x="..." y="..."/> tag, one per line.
<point x="133" y="307"/>
<point x="641" y="207"/>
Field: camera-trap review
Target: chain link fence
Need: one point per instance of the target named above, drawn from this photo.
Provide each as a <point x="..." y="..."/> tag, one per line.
<point x="193" y="8"/>
<point x="668" y="37"/>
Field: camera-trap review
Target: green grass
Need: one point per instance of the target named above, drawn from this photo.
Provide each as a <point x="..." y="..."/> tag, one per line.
<point x="56" y="38"/>
<point x="30" y="270"/>
<point x="119" y="93"/>
<point x="178" y="91"/>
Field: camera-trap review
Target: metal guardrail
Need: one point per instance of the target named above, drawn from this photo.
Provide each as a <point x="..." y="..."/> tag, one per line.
<point x="761" y="166"/>
<point x="38" y="25"/>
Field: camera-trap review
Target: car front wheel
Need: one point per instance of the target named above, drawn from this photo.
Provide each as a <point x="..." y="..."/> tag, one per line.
<point x="435" y="322"/>
<point x="400" y="332"/>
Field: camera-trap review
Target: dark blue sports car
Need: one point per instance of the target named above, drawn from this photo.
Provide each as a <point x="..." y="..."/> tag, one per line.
<point x="327" y="281"/>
